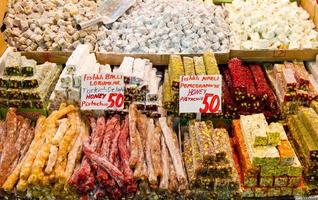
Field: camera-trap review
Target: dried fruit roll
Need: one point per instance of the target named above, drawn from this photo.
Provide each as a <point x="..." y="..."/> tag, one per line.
<point x="188" y="66"/>
<point x="301" y="74"/>
<point x="156" y="151"/>
<point x="211" y="66"/>
<point x="174" y="151"/>
<point x="152" y="178"/>
<point x="164" y="180"/>
<point x="66" y="144"/>
<point x="35" y="145"/>
<point x="113" y="171"/>
<point x="134" y="149"/>
<point x="73" y="154"/>
<point x="175" y="70"/>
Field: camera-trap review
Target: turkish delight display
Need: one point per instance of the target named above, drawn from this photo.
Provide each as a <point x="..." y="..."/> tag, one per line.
<point x="246" y="91"/>
<point x="180" y="66"/>
<point x="293" y="84"/>
<point x="269" y="165"/>
<point x="303" y="131"/>
<point x="24" y="84"/>
<point x="209" y="163"/>
<point x="272" y="24"/>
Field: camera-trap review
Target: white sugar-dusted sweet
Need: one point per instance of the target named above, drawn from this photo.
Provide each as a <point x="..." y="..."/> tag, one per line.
<point x="105" y="69"/>
<point x="126" y="67"/>
<point x="169" y="26"/>
<point x="271" y="24"/>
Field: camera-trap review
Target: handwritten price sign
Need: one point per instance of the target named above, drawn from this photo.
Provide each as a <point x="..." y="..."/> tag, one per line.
<point x="200" y="94"/>
<point x="102" y="92"/>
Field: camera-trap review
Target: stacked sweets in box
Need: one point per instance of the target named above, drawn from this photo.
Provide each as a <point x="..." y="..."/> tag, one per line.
<point x="246" y="91"/>
<point x="142" y="80"/>
<point x="209" y="163"/>
<point x="269" y="165"/>
<point x="293" y="85"/>
<point x="24" y="84"/>
<point x="178" y="66"/>
<point x="304" y="132"/>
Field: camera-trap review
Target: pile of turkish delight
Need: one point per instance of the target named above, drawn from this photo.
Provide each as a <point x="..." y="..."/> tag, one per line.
<point x="293" y="85"/>
<point x="24" y="84"/>
<point x="269" y="166"/>
<point x="304" y="133"/>
<point x="209" y="163"/>
<point x="246" y="91"/>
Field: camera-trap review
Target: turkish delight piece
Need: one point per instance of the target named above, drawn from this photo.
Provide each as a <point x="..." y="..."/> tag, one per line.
<point x="167" y="99"/>
<point x="204" y="141"/>
<point x="301" y="74"/>
<point x="310" y="119"/>
<point x="278" y="69"/>
<point x="261" y="192"/>
<point x="126" y="67"/>
<point x="296" y="168"/>
<point x="286" y="153"/>
<point x="188" y="161"/>
<point x="299" y="191"/>
<point x="104" y="69"/>
<point x="14" y="94"/>
<point x="273" y="192"/>
<point x="188" y="66"/>
<point x="197" y="156"/>
<point x="260" y="137"/>
<point x="314" y="105"/>
<point x="175" y="70"/>
<point x="247" y="168"/>
<point x="199" y="65"/>
<point x="138" y="70"/>
<point x="27" y="66"/>
<point x="66" y="79"/>
<point x="286" y="191"/>
<point x="221" y="143"/>
<point x="265" y="155"/>
<point x="248" y="192"/>
<point x="313" y="69"/>
<point x="274" y="132"/>
<point x="211" y="66"/>
<point x="15" y="103"/>
<point x="78" y="56"/>
<point x="289" y="80"/>
<point x="281" y="181"/>
<point x="294" y="181"/>
<point x="250" y="181"/>
<point x="16" y="82"/>
<point x="302" y="137"/>
<point x="266" y="181"/>
<point x="13" y="64"/>
<point x="3" y="93"/>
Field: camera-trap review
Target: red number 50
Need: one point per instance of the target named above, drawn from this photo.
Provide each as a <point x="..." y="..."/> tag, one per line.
<point x="213" y="105"/>
<point x="118" y="102"/>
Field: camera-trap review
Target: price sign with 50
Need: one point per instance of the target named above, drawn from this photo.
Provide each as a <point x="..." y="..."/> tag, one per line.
<point x="200" y="94"/>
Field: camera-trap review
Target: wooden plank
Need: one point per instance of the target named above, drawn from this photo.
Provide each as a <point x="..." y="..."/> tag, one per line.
<point x="275" y="55"/>
<point x="309" y="6"/>
<point x="3" y="44"/>
<point x="60" y="57"/>
<point x="3" y="10"/>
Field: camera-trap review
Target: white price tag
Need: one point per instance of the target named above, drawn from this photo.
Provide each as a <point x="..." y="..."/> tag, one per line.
<point x="102" y="92"/>
<point x="200" y="94"/>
